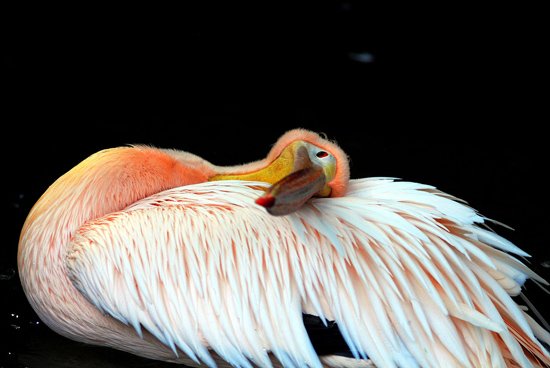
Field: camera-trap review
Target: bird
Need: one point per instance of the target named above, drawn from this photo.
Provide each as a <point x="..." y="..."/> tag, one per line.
<point x="282" y="262"/>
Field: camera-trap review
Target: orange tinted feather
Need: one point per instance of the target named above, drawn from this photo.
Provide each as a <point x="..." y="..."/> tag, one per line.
<point x="532" y="350"/>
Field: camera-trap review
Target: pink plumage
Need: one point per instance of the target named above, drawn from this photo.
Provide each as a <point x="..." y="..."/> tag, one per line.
<point x="137" y="249"/>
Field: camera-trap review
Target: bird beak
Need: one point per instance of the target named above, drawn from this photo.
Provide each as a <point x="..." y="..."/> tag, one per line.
<point x="305" y="181"/>
<point x="295" y="179"/>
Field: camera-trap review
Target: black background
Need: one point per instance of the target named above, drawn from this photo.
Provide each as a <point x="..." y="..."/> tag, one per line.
<point x="454" y="97"/>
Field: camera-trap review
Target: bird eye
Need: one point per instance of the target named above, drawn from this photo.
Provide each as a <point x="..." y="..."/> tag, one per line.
<point x="321" y="154"/>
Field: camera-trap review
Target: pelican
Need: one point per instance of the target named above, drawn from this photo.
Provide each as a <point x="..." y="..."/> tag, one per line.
<point x="162" y="254"/>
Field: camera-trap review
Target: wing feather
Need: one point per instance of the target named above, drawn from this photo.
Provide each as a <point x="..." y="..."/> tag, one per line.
<point x="405" y="271"/>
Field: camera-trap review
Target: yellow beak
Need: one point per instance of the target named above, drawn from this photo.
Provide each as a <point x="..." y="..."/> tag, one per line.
<point x="294" y="178"/>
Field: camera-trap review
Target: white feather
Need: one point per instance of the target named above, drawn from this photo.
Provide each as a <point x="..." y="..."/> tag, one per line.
<point x="402" y="268"/>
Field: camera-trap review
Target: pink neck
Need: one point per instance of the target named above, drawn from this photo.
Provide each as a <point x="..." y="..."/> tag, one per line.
<point x="105" y="182"/>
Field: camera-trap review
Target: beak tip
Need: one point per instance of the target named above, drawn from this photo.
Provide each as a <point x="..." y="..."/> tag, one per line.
<point x="266" y="201"/>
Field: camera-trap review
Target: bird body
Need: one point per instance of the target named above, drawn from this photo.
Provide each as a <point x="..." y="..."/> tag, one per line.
<point x="161" y="254"/>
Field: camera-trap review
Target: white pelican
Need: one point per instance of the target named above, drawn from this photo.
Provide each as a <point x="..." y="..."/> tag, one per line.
<point x="162" y="254"/>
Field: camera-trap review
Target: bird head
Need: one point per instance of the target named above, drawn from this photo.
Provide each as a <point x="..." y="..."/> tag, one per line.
<point x="301" y="165"/>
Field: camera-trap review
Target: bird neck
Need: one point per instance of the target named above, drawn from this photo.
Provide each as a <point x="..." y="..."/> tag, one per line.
<point x="105" y="182"/>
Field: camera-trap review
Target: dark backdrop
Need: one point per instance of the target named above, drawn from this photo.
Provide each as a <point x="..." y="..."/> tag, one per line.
<point x="446" y="96"/>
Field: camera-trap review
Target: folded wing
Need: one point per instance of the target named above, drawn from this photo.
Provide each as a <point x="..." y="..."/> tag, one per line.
<point x="405" y="271"/>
